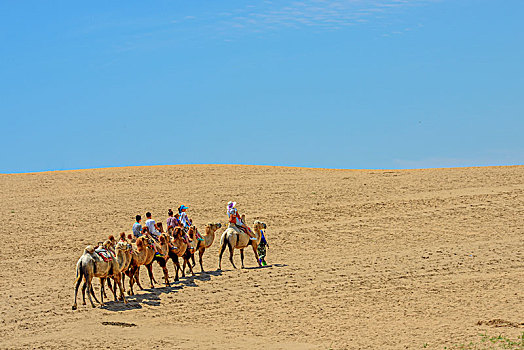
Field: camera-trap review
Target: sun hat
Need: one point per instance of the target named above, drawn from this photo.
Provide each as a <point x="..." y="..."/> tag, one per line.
<point x="182" y="207"/>
<point x="231" y="204"/>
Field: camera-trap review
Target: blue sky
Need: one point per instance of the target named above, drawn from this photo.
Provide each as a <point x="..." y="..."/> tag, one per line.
<point x="340" y="84"/>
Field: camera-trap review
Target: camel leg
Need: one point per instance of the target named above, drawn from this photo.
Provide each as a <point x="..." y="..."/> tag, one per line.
<point x="242" y="257"/>
<point x="200" y="253"/>
<point x="102" y="292"/>
<point x="193" y="259"/>
<point x="103" y="289"/>
<point x="166" y="275"/>
<point x="184" y="267"/>
<point x="137" y="278"/>
<point x="118" y="280"/>
<point x="78" y="281"/>
<point x="123" y="282"/>
<point x="189" y="265"/>
<point x="177" y="267"/>
<point x="256" y="255"/>
<point x="162" y="262"/>
<point x="111" y="288"/>
<point x="220" y="255"/>
<point x="231" y="251"/>
<point x="89" y="288"/>
<point x="150" y="273"/>
<point x="84" y="286"/>
<point x="132" y="271"/>
<point x="93" y="294"/>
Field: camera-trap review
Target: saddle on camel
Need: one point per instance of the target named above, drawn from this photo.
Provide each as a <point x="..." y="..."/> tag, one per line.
<point x="104" y="253"/>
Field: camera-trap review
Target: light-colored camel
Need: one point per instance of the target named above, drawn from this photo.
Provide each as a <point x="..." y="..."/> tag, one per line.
<point x="92" y="265"/>
<point x="109" y="246"/>
<point x="201" y="246"/>
<point x="127" y="258"/>
<point x="235" y="238"/>
<point x="179" y="249"/>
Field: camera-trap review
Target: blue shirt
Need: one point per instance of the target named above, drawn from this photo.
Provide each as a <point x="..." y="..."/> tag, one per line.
<point x="137" y="229"/>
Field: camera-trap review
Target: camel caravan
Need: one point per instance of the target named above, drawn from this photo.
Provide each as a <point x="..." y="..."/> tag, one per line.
<point x="115" y="259"/>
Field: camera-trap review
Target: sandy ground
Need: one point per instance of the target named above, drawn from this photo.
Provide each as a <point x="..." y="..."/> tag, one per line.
<point x="358" y="259"/>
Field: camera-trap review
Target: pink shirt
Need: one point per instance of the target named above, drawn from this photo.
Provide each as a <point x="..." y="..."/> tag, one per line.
<point x="172" y="222"/>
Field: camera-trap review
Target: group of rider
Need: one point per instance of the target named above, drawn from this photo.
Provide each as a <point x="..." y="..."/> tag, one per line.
<point x="182" y="220"/>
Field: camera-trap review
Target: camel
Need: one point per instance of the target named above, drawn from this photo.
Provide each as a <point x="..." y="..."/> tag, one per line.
<point x="235" y="238"/>
<point x="92" y="265"/>
<point x="162" y="259"/>
<point x="179" y="249"/>
<point x="201" y="246"/>
<point x="127" y="258"/>
<point x="144" y="256"/>
<point x="109" y="246"/>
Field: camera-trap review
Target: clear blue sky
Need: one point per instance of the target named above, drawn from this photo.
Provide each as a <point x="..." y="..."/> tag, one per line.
<point x="341" y="84"/>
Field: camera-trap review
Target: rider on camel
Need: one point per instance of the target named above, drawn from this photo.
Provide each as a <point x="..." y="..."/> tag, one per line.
<point x="235" y="219"/>
<point x="187" y="222"/>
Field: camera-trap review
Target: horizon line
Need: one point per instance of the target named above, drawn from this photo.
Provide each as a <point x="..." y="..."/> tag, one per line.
<point x="256" y="165"/>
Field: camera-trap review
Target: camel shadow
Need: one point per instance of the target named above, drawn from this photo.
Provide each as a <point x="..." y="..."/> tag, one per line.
<point x="120" y="306"/>
<point x="151" y="296"/>
<point x="189" y="281"/>
<point x="265" y="267"/>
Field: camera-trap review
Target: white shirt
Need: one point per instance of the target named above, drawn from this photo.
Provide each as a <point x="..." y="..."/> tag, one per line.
<point x="150" y="223"/>
<point x="184" y="220"/>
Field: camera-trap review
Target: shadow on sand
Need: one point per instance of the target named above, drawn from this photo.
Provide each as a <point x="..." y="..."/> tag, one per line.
<point x="151" y="296"/>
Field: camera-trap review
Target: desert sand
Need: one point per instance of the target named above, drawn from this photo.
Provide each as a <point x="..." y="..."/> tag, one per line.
<point x="358" y="259"/>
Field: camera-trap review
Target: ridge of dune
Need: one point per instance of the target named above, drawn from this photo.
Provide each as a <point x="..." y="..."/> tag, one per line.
<point x="254" y="165"/>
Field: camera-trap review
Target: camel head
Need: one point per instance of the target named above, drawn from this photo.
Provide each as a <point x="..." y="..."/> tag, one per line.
<point x="170" y="231"/>
<point x="177" y="232"/>
<point x="124" y="246"/>
<point x="191" y="232"/>
<point x="259" y="225"/>
<point x="214" y="225"/>
<point x="140" y="244"/>
<point x="122" y="236"/>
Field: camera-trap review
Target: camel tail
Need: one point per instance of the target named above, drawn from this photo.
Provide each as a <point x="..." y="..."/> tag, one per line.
<point x="79" y="272"/>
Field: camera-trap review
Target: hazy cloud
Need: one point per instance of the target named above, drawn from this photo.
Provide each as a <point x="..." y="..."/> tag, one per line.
<point x="334" y="14"/>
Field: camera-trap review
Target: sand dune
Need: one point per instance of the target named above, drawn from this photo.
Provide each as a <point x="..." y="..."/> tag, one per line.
<point x="358" y="259"/>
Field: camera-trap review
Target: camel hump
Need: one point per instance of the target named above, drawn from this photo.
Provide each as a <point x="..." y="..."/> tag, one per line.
<point x="89" y="249"/>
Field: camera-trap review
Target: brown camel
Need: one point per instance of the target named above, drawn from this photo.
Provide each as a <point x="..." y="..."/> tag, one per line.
<point x="163" y="255"/>
<point x="201" y="246"/>
<point x="179" y="249"/>
<point x="92" y="265"/>
<point x="235" y="238"/>
<point x="144" y="256"/>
